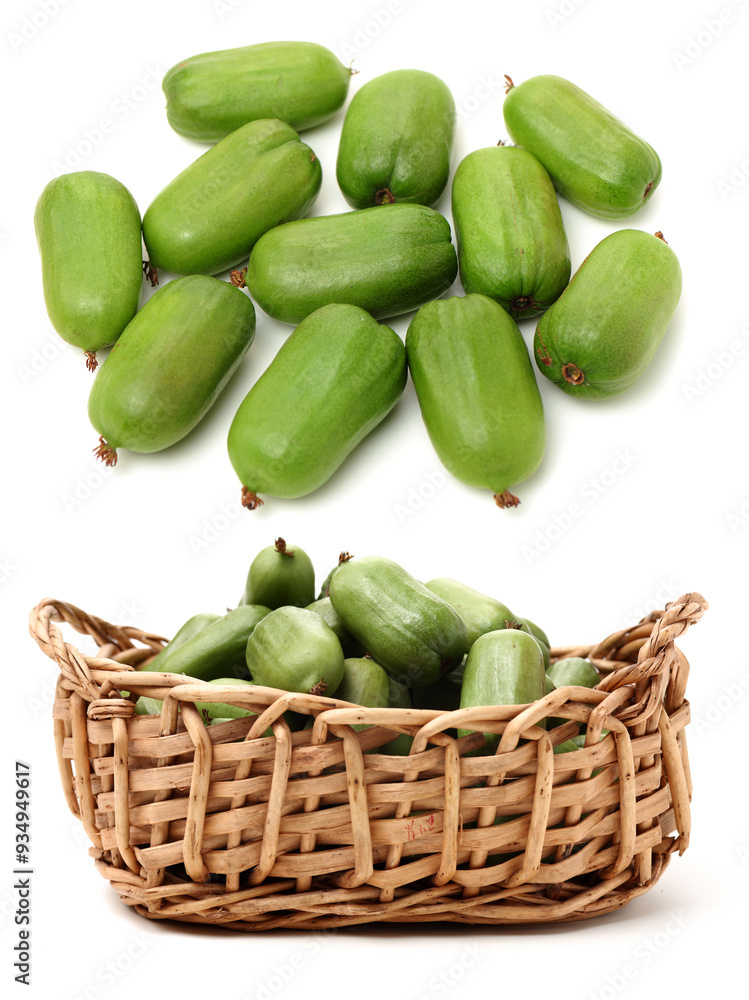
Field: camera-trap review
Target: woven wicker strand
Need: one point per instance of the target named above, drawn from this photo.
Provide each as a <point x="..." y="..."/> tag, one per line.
<point x="252" y="826"/>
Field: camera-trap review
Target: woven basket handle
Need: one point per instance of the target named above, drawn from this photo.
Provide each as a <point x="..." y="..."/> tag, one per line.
<point x="656" y="651"/>
<point x="75" y="666"/>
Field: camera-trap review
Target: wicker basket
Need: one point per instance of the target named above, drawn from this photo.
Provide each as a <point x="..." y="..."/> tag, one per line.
<point x="316" y="829"/>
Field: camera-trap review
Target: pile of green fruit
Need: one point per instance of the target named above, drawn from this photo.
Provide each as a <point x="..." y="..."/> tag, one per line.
<point x="334" y="277"/>
<point x="374" y="636"/>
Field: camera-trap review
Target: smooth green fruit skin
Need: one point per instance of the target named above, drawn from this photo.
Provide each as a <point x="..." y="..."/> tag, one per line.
<point x="574" y="670"/>
<point x="333" y="380"/>
<point x="190" y="628"/>
<point x="277" y="578"/>
<point x="399" y="694"/>
<point x="295" y="650"/>
<point x="511" y="241"/>
<point x="385" y="262"/>
<point x="396" y="140"/>
<point x="221" y="710"/>
<point x="211" y="215"/>
<point x="218" y="648"/>
<point x="88" y="232"/>
<point x="538" y="633"/>
<point x="171" y="363"/>
<point x="324" y="608"/>
<point x="411" y="632"/>
<point x="325" y="586"/>
<point x="364" y="683"/>
<point x="477" y="391"/>
<point x="600" y="335"/>
<point x="594" y="159"/>
<point x="479" y="612"/>
<point x="215" y="93"/>
<point x="503" y="668"/>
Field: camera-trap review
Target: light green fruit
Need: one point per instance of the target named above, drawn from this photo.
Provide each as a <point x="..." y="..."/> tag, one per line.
<point x="396" y="140"/>
<point x="593" y="158"/>
<point x="170" y="365"/>
<point x="602" y="332"/>
<point x="214" y="93"/>
<point x="280" y="574"/>
<point x="511" y="241"/>
<point x="209" y="217"/>
<point x="295" y="650"/>
<point x="503" y="668"/>
<point x="88" y="231"/>
<point x="332" y="382"/>
<point x="477" y="392"/>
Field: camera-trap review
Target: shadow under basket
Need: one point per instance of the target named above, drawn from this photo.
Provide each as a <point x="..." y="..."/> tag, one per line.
<point x="249" y="825"/>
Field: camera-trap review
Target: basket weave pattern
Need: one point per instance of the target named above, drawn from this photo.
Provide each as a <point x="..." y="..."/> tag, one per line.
<point x="317" y="829"/>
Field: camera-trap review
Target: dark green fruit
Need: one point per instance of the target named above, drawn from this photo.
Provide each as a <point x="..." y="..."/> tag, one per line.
<point x="218" y="648"/>
<point x="479" y="612"/>
<point x="191" y="627"/>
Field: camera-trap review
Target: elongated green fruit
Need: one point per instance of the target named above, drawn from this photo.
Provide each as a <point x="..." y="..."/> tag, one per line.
<point x="219" y="648"/>
<point x="479" y="612"/>
<point x="211" y="215"/>
<point x="509" y="231"/>
<point x="385" y="262"/>
<point x="364" y="683"/>
<point x="594" y="159"/>
<point x="396" y="140"/>
<point x="170" y="365"/>
<point x="88" y="231"/>
<point x="503" y="668"/>
<point x="214" y="93"/>
<point x="324" y="608"/>
<point x="477" y="393"/>
<point x="334" y="379"/>
<point x="295" y="650"/>
<point x="602" y="332"/>
<point x="191" y="627"/>
<point x="411" y="632"/>
<point x="280" y="574"/>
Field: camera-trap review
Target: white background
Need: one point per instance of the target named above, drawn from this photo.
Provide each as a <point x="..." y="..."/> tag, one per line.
<point x="162" y="537"/>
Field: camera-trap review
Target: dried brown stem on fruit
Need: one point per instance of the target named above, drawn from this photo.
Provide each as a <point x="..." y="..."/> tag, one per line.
<point x="505" y="500"/>
<point x="509" y="84"/>
<point x="344" y="557"/>
<point x="105" y="453"/>
<point x="151" y="273"/>
<point x="91" y="363"/>
<point x="320" y="688"/>
<point x="237" y="277"/>
<point x="281" y="547"/>
<point x="384" y="197"/>
<point x="251" y="500"/>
